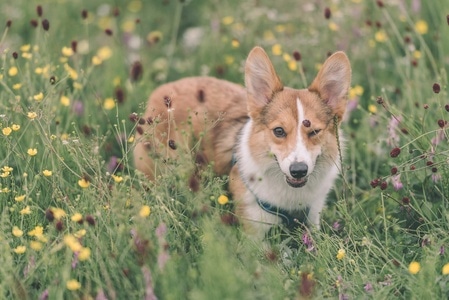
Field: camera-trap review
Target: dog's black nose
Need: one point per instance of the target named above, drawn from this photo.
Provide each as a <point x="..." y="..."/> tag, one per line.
<point x="298" y="170"/>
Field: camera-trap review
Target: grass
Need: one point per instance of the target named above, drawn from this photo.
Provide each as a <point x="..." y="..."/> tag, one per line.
<point x="78" y="222"/>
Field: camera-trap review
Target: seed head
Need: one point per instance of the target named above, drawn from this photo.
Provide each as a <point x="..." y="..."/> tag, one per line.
<point x="383" y="185"/>
<point x="446" y="107"/>
<point x="84" y="14"/>
<point x="327" y="13"/>
<point x="380" y="100"/>
<point x="297" y="55"/>
<point x="52" y="80"/>
<point x="45" y="24"/>
<point x="395" y="152"/>
<point x="441" y="123"/>
<point x="8" y="23"/>
<point x="34" y="23"/>
<point x="136" y="71"/>
<point x="394" y="171"/>
<point x="15" y="55"/>
<point x="39" y="10"/>
<point x="172" y="144"/>
<point x="167" y="101"/>
<point x="436" y="88"/>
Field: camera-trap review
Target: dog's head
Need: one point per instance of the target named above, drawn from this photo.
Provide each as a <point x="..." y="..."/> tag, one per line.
<point x="296" y="126"/>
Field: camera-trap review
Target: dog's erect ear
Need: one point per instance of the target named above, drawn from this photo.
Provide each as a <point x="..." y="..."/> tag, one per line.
<point x="261" y="80"/>
<point x="333" y="82"/>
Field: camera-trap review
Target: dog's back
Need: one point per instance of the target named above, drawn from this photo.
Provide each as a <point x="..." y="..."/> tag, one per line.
<point x="204" y="113"/>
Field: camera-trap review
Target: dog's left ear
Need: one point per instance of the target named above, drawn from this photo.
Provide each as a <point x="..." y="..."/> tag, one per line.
<point x="333" y="82"/>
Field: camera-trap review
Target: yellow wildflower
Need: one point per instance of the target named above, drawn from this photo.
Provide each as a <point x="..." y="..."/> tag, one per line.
<point x="25" y="48"/>
<point x="145" y="211"/>
<point x="104" y="53"/>
<point x="7" y="131"/>
<point x="47" y="173"/>
<point x="16" y="86"/>
<point x="445" y="270"/>
<point x="58" y="213"/>
<point x="341" y="254"/>
<point x="372" y="108"/>
<point x="20" y="249"/>
<point x="67" y="51"/>
<point x="333" y="26"/>
<point x="26" y="211"/>
<point x="414" y="267"/>
<point x="80" y="233"/>
<point x="64" y="100"/>
<point x="381" y="36"/>
<point x="35" y="245"/>
<point x="38" y="231"/>
<point x="96" y="60"/>
<point x="20" y="198"/>
<point x="222" y="199"/>
<point x="73" y="285"/>
<point x="4" y="174"/>
<point x="235" y="43"/>
<point x="38" y="97"/>
<point x="15" y="127"/>
<point x="417" y="54"/>
<point x="421" y="27"/>
<point x="276" y="49"/>
<point x="227" y="20"/>
<point x="7" y="169"/>
<point x="356" y="91"/>
<point x="32" y="115"/>
<point x="32" y="151"/>
<point x="84" y="254"/>
<point x="83" y="183"/>
<point x="109" y="104"/>
<point x="17" y="232"/>
<point x="292" y="65"/>
<point x="13" y="71"/>
<point x="72" y="72"/>
<point x="76" y="217"/>
<point x="117" y="179"/>
<point x="73" y="243"/>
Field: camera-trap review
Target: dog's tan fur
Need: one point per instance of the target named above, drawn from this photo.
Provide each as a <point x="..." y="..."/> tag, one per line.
<point x="214" y="112"/>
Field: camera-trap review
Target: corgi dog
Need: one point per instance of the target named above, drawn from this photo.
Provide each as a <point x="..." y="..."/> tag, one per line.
<point x="280" y="146"/>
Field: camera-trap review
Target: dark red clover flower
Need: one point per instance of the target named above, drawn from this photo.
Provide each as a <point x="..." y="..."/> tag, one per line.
<point x="436" y="88"/>
<point x="39" y="10"/>
<point x="84" y="14"/>
<point x="8" y="23"/>
<point x="34" y="23"/>
<point x="395" y="152"/>
<point x="441" y="123"/>
<point x="45" y="24"/>
<point x="297" y="55"/>
<point x="327" y="13"/>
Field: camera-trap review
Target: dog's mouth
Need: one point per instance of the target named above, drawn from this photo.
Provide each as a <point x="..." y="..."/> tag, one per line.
<point x="296" y="183"/>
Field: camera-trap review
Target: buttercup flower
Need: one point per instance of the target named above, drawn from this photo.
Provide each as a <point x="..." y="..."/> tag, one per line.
<point x="222" y="199"/>
<point x="77" y="217"/>
<point x="15" y="127"/>
<point x="7" y="131"/>
<point x="20" y="249"/>
<point x="276" y="49"/>
<point x="145" y="211"/>
<point x="13" y="71"/>
<point x="67" y="51"/>
<point x="47" y="173"/>
<point x="26" y="211"/>
<point x="73" y="243"/>
<point x="109" y="104"/>
<point x="84" y="254"/>
<point x="73" y="285"/>
<point x="83" y="183"/>
<point x="414" y="267"/>
<point x="17" y="232"/>
<point x="32" y="151"/>
<point x="20" y="198"/>
<point x="421" y="27"/>
<point x="445" y="270"/>
<point x="35" y="245"/>
<point x="32" y="115"/>
<point x="341" y="254"/>
<point x="117" y="179"/>
<point x="38" y="97"/>
<point x="38" y="231"/>
<point x="65" y="101"/>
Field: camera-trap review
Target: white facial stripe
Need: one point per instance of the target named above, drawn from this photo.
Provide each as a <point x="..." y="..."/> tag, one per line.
<point x="300" y="152"/>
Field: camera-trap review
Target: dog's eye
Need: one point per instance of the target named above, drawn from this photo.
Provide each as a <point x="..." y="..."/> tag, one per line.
<point x="314" y="132"/>
<point x="279" y="132"/>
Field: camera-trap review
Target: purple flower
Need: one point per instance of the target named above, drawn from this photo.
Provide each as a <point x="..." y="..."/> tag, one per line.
<point x="44" y="295"/>
<point x="368" y="287"/>
<point x="308" y="242"/>
<point x="78" y="108"/>
<point x="396" y="181"/>
<point x="393" y="137"/>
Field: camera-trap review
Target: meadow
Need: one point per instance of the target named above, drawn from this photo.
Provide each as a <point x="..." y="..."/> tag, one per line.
<point x="78" y="222"/>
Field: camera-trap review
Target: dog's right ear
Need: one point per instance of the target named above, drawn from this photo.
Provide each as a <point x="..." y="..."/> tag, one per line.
<point x="261" y="80"/>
